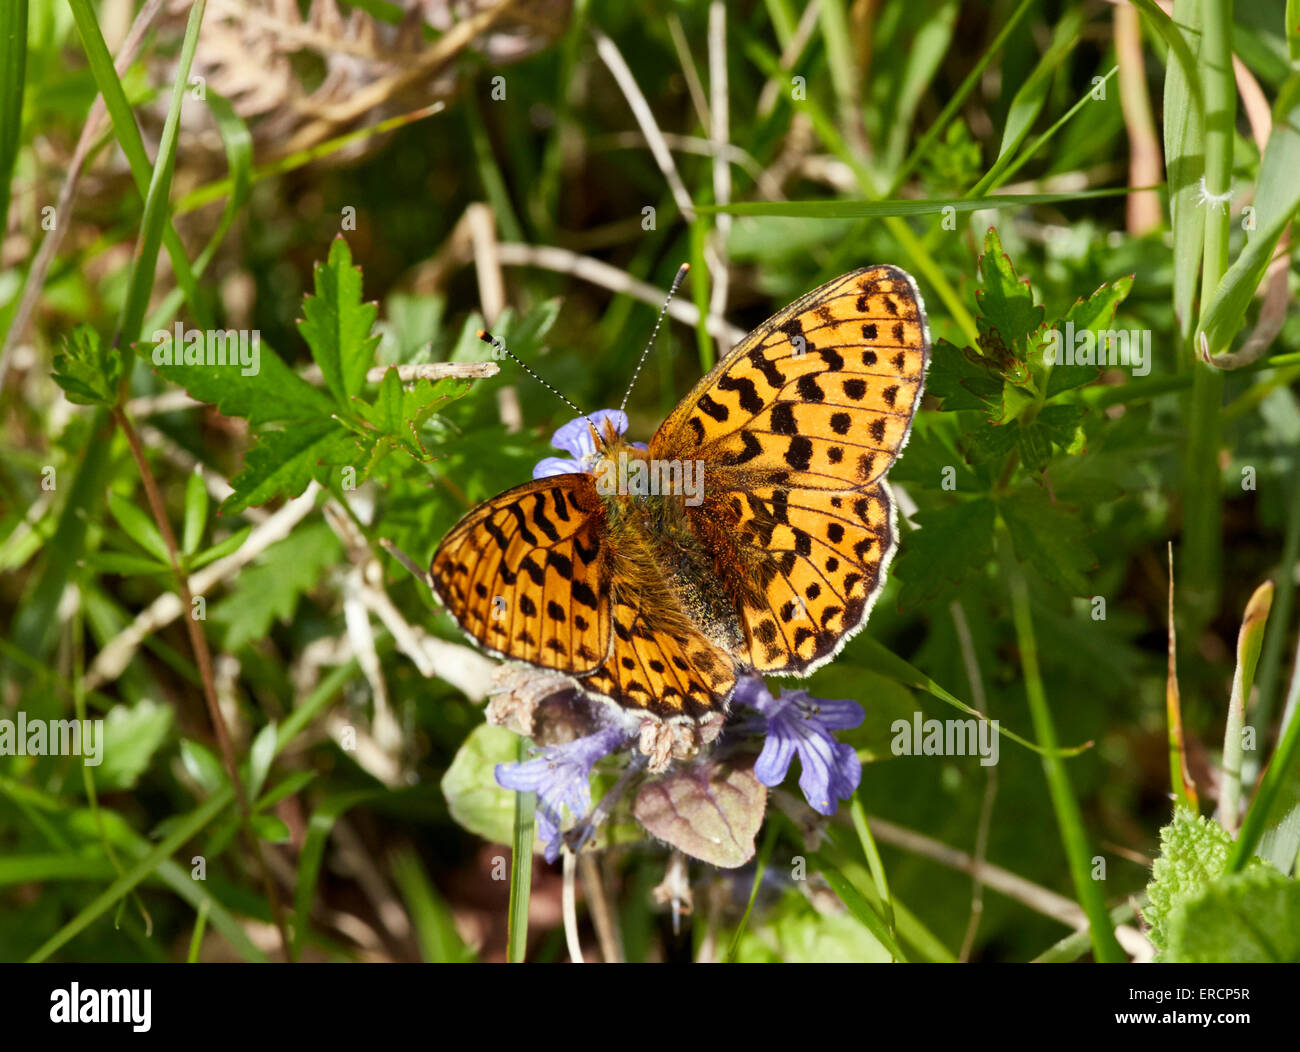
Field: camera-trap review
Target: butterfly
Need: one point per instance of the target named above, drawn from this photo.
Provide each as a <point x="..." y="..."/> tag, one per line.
<point x="765" y="558"/>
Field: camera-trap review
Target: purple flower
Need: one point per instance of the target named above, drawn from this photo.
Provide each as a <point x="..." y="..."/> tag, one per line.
<point x="800" y="723"/>
<point x="559" y="776"/>
<point x="575" y="438"/>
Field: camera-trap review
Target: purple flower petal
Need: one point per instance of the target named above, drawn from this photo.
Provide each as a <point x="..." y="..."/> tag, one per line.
<point x="575" y="436"/>
<point x="560" y="776"/>
<point x="798" y="723"/>
<point x="548" y="466"/>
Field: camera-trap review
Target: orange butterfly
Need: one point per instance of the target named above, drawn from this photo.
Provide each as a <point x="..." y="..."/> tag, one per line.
<point x="752" y="535"/>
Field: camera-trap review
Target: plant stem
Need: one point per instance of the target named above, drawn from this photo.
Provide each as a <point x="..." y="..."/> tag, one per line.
<point x="203" y="658"/>
<point x="1105" y="946"/>
<point x="1201" y="526"/>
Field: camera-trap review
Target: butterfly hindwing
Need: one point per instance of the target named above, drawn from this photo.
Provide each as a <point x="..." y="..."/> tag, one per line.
<point x="527" y="574"/>
<point x="819" y="559"/>
<point x="668" y="670"/>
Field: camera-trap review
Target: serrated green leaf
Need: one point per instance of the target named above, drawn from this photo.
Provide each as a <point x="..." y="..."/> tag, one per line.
<point x="87" y="371"/>
<point x="1049" y="537"/>
<point x="269" y="590"/>
<point x="399" y="411"/>
<point x="272" y="394"/>
<point x="282" y="463"/>
<point x="1090" y="314"/>
<point x="338" y="326"/>
<point x="1006" y="301"/>
<point x="132" y="734"/>
<point x="961" y="383"/>
<point x="951" y="544"/>
<point x="1193" y="851"/>
<point x="1252" y="917"/>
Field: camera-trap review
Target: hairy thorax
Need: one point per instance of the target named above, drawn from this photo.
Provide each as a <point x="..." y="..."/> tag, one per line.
<point x="666" y="571"/>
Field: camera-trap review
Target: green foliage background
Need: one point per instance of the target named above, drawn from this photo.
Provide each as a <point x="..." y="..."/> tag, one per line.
<point x="891" y="133"/>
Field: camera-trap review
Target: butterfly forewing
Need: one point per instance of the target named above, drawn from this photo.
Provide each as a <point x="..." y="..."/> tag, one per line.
<point x="797" y="427"/>
<point x="527" y="574"/>
<point x="824" y="391"/>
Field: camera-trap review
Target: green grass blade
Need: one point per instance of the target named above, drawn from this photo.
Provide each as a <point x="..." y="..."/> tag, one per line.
<point x="196" y="939"/>
<point x="857" y="904"/>
<point x="128" y="137"/>
<point x="521" y="870"/>
<point x="910" y="207"/>
<point x="183" y="830"/>
<point x="434" y="928"/>
<point x="1277" y="196"/>
<point x="156" y="211"/>
<point x="1074" y="838"/>
<point x="958" y="98"/>
<point x="312" y="856"/>
<point x="1249" y="641"/>
<point x="13" y="77"/>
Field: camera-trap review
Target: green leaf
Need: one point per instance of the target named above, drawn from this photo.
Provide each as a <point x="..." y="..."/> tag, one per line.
<point x="1090" y="315"/>
<point x="711" y="810"/>
<point x="125" y="563"/>
<point x="284" y="462"/>
<point x="1050" y="537"/>
<point x="13" y="63"/>
<point x="1184" y="142"/>
<point x="202" y="765"/>
<point x="433" y="919"/>
<point x="337" y="325"/>
<point x="1027" y="102"/>
<point x="950" y="544"/>
<point x="259" y="759"/>
<point x="132" y="734"/>
<point x="961" y="381"/>
<point x="1006" y="302"/>
<point x="157" y="205"/>
<point x="313" y="855"/>
<point x="1251" y="917"/>
<point x="196" y="512"/>
<point x="858" y="905"/>
<point x="273" y="393"/>
<point x="848" y="209"/>
<point x="269" y="590"/>
<point x="398" y="412"/>
<point x="1193" y="851"/>
<point x="128" y="137"/>
<point x="88" y="372"/>
<point x="470" y="788"/>
<point x="286" y="787"/>
<point x="139" y="527"/>
<point x="221" y="549"/>
<point x="1277" y="196"/>
<point x="270" y="828"/>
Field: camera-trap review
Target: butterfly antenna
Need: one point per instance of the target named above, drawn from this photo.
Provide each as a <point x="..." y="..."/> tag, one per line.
<point x="496" y="344"/>
<point x="681" y="273"/>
